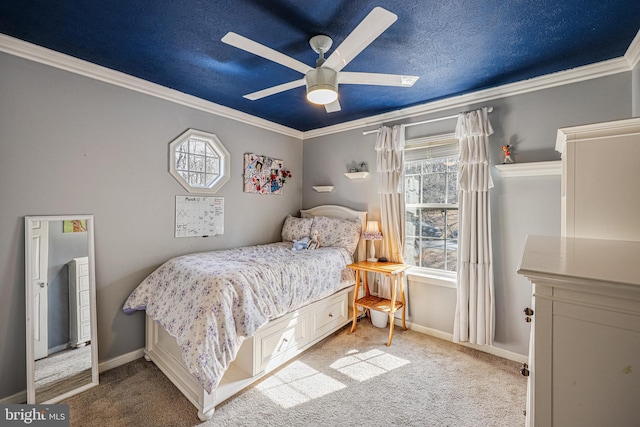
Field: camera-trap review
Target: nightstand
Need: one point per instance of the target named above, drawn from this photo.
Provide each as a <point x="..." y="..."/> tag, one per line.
<point x="395" y="271"/>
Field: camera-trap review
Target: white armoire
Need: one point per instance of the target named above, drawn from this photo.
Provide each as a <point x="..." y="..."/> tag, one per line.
<point x="584" y="356"/>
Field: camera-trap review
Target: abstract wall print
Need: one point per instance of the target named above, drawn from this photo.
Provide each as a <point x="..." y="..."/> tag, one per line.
<point x="264" y="175"/>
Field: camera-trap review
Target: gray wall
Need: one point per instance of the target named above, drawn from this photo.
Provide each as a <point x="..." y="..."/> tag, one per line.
<point x="520" y="206"/>
<point x="73" y="145"/>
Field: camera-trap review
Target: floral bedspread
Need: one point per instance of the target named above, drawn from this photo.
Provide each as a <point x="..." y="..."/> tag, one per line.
<point x="211" y="301"/>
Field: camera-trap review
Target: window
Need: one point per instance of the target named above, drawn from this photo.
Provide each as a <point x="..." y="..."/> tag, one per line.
<point x="199" y="161"/>
<point x="431" y="199"/>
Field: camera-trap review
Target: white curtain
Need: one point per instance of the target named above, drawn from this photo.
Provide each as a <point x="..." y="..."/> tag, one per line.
<point x="475" y="307"/>
<point x="390" y="165"/>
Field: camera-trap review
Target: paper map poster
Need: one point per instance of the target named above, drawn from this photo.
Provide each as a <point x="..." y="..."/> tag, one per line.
<point x="199" y="216"/>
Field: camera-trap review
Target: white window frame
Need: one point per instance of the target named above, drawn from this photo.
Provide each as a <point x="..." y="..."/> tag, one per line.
<point x="216" y="146"/>
<point x="432" y="145"/>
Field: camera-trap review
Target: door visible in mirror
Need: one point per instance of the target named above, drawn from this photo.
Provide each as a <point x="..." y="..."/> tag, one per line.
<point x="62" y="354"/>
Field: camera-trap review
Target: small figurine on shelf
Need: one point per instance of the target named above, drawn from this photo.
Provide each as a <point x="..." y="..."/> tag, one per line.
<point x="506" y="149"/>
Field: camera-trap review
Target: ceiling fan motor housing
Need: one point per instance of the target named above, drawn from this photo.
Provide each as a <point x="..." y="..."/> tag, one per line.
<point x="322" y="85"/>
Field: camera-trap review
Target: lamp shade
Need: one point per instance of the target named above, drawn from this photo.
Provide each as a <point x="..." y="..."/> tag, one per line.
<point x="322" y="85"/>
<point x="372" y="232"/>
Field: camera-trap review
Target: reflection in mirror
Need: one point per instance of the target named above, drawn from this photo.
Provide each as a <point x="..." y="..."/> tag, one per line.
<point x="62" y="353"/>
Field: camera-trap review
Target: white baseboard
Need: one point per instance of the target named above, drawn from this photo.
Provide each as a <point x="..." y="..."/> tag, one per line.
<point x="505" y="354"/>
<point x="120" y="360"/>
<point x="20" y="397"/>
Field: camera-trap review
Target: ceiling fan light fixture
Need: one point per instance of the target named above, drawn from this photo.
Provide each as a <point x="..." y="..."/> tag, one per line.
<point x="322" y="85"/>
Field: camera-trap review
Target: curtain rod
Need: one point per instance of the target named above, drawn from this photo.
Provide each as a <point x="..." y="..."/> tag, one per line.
<point x="455" y="116"/>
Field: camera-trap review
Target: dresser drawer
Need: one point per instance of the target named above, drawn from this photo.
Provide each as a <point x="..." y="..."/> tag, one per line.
<point x="280" y="341"/>
<point x="329" y="315"/>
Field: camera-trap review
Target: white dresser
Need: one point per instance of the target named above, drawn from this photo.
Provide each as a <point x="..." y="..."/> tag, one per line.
<point x="584" y="355"/>
<point x="79" y="306"/>
<point x="585" y="348"/>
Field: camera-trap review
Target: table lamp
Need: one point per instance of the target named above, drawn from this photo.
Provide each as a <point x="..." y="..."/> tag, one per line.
<point x="372" y="232"/>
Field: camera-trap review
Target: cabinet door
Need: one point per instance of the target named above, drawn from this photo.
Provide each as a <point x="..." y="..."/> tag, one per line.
<point x="600" y="180"/>
<point x="595" y="378"/>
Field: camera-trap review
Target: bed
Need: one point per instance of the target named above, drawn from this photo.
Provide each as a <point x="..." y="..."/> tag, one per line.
<point x="218" y="321"/>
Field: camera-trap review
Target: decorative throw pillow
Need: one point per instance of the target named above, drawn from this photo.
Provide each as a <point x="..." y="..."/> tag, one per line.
<point x="296" y="228"/>
<point x="344" y="233"/>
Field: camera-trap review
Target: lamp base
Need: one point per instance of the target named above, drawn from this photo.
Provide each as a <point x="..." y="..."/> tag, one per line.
<point x="372" y="253"/>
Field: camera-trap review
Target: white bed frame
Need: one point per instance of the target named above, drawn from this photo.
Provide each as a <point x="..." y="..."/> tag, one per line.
<point x="273" y="345"/>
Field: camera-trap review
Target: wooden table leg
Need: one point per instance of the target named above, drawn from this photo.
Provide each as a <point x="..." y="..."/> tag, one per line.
<point x="393" y="283"/>
<point x="355" y="298"/>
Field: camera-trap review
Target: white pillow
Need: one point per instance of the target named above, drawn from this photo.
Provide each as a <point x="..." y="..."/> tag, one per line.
<point x="296" y="228"/>
<point x="344" y="233"/>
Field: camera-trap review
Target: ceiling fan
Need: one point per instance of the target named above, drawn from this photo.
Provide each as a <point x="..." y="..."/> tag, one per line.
<point x="322" y="81"/>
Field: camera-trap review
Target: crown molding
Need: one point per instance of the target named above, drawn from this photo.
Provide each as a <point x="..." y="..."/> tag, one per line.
<point x="579" y="74"/>
<point x="65" y="62"/>
<point x="632" y="55"/>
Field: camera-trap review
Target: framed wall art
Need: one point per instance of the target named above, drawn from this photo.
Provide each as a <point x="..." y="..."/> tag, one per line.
<point x="264" y="175"/>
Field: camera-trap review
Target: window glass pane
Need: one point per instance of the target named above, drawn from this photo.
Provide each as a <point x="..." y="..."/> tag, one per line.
<point x="197" y="146"/>
<point x="451" y="230"/>
<point x="411" y="168"/>
<point x="181" y="161"/>
<point x="213" y="165"/>
<point x="412" y="252"/>
<point x="431" y="224"/>
<point x="196" y="163"/>
<point x="433" y="188"/>
<point x="452" y="187"/>
<point x="438" y="165"/>
<point x="412" y="189"/>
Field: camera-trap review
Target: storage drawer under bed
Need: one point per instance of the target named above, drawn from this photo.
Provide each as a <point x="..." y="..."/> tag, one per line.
<point x="283" y="338"/>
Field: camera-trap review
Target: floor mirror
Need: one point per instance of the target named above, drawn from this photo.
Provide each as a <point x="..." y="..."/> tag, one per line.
<point x="62" y="345"/>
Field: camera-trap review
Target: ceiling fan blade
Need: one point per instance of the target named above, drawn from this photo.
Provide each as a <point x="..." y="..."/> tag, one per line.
<point x="274" y="89"/>
<point x="346" y="77"/>
<point x="256" y="48"/>
<point x="332" y="107"/>
<point x="374" y="24"/>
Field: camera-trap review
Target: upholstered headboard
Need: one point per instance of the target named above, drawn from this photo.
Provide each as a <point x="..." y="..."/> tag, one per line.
<point x="335" y="211"/>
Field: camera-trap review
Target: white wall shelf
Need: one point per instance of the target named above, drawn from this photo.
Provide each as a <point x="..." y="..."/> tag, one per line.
<point x="509" y="170"/>
<point x="356" y="175"/>
<point x="323" y="188"/>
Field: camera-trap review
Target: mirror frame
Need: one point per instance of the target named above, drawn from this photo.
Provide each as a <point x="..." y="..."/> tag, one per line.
<point x="29" y="294"/>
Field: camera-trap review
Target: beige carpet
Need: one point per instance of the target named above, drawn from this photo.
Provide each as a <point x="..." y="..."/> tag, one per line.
<point x="346" y="380"/>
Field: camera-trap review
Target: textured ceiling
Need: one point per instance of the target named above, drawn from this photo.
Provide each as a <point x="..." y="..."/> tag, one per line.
<point x="454" y="46"/>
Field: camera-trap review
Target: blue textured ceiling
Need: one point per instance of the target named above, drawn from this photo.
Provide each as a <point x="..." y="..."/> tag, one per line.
<point x="454" y="46"/>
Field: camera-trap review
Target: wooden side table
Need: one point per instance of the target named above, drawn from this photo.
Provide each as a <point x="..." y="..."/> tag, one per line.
<point x="390" y="269"/>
